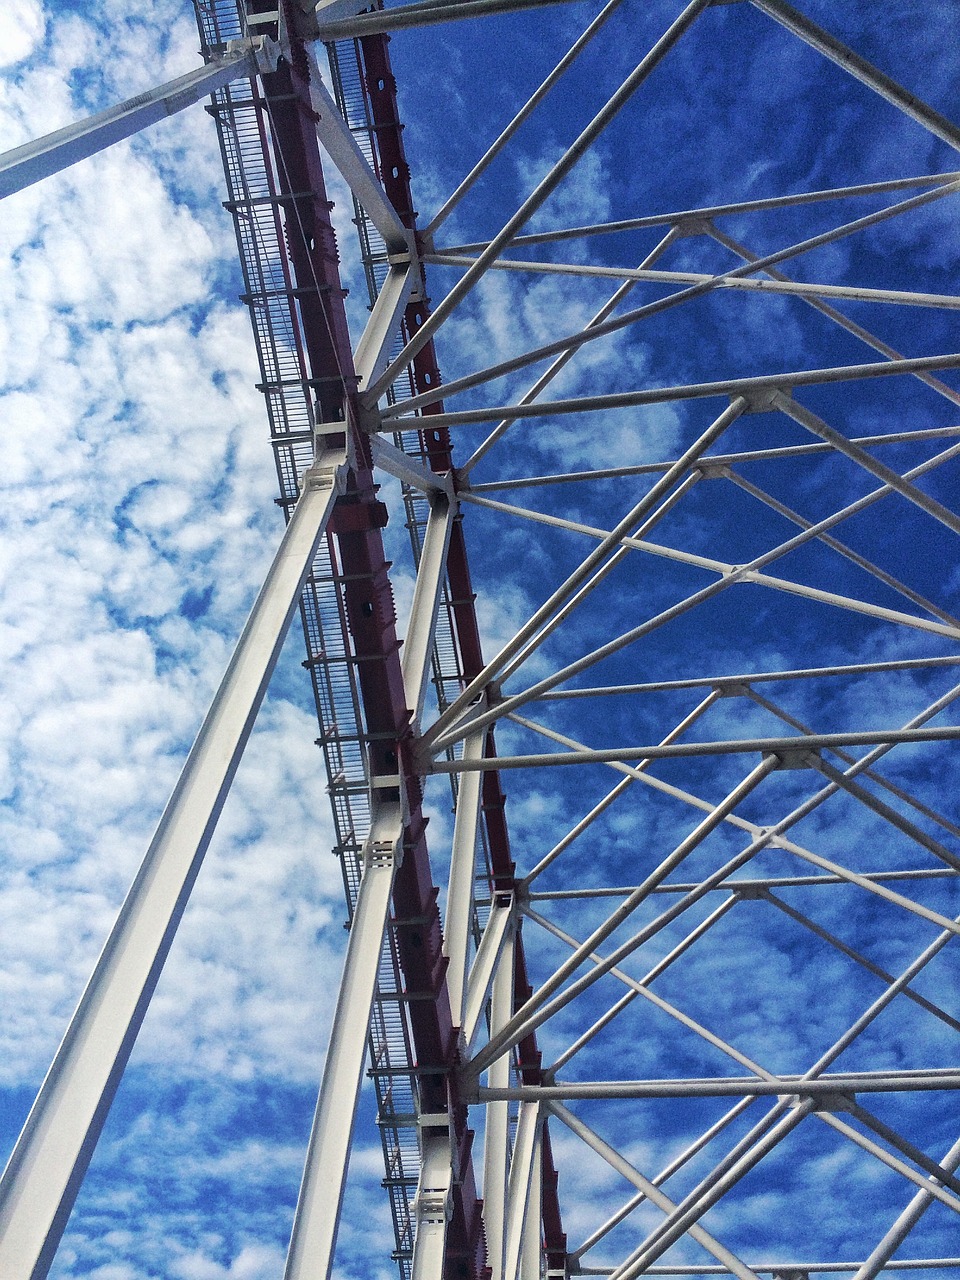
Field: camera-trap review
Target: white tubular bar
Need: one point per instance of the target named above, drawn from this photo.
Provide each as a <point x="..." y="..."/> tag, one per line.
<point x="422" y="14"/>
<point x="526" y="110"/>
<point x="904" y="1224"/>
<point x="862" y="70"/>
<point x="342" y="148"/>
<point x="708" y="212"/>
<point x="459" y="918"/>
<point x="418" y="645"/>
<point x="649" y="1189"/>
<point x="325" y="1172"/>
<point x="23" y="166"/>
<point x="373" y="349"/>
<point x="395" y="462"/>
<point x="492" y="946"/>
<point x="536" y="198"/>
<point x="43" y="1176"/>
<point x="526" y="1153"/>
<point x="497" y="1128"/>
<point x="432" y="1208"/>
<point x="530" y="1244"/>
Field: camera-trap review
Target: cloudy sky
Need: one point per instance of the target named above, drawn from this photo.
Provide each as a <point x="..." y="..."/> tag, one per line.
<point x="138" y="519"/>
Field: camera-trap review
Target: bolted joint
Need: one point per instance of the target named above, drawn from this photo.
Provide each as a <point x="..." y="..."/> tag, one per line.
<point x="383" y="847"/>
<point x="325" y="474"/>
<point x="267" y="52"/>
<point x="798" y="758"/>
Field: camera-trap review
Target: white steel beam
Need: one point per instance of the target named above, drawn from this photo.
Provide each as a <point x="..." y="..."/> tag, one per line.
<point x="496" y="1142"/>
<point x="799" y="413"/>
<point x="862" y="70"/>
<point x="540" y="193"/>
<point x="439" y="741"/>
<point x="714" y="459"/>
<point x="325" y="1171"/>
<point x="432" y="1207"/>
<point x="493" y="947"/>
<point x="586" y="570"/>
<point x="640" y="275"/>
<point x="903" y="1225"/>
<point x="25" y="165"/>
<point x="373" y="349"/>
<point x="46" y="1168"/>
<point x="727" y="746"/>
<point x="705" y="214"/>
<point x="540" y="1006"/>
<point x="344" y="150"/>
<point x="666" y="395"/>
<point x="754" y="677"/>
<point x="458" y="924"/>
<point x="530" y="1243"/>
<point x="833" y="314"/>
<point x="431" y="575"/>
<point x="395" y="462"/>
<point x="526" y="1153"/>
<point x="649" y="1189"/>
<point x="947" y="1081"/>
<point x="573" y="341"/>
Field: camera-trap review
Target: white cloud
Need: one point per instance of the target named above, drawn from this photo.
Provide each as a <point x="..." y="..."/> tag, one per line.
<point x="22" y="26"/>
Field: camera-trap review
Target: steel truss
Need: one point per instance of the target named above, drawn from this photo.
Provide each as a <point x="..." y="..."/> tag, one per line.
<point x="736" y="953"/>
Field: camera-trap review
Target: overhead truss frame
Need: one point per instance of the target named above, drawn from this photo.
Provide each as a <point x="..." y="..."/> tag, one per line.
<point x="471" y="995"/>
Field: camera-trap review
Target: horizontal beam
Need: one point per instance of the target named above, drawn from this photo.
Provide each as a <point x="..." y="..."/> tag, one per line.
<point x="729" y="682"/>
<point x="747" y="885"/>
<point x="23" y="166"/>
<point x="424" y="14"/>
<point x="678" y="750"/>
<point x="803" y="289"/>
<point x="779" y="1268"/>
<point x="713" y="459"/>
<point x="708" y="212"/>
<point x="747" y="387"/>
<point x="731" y="1086"/>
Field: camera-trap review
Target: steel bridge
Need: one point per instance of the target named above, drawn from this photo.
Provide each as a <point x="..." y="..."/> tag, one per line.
<point x="726" y="958"/>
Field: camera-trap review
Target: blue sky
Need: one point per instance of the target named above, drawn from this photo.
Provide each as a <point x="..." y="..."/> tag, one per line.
<point x="137" y="518"/>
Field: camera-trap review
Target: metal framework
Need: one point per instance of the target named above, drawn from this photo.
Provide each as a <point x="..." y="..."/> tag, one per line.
<point x="737" y="956"/>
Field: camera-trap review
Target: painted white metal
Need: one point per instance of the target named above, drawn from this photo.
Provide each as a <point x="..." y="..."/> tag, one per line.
<point x="395" y="462"/>
<point x="526" y="1154"/>
<point x="46" y="1168"/>
<point x="649" y="1189"/>
<point x="427" y="595"/>
<point x="533" y="202"/>
<point x="496" y="1146"/>
<point x="854" y="293"/>
<point x="587" y="572"/>
<point x="575" y="340"/>
<point x="373" y="349"/>
<point x="432" y="1207"/>
<point x="325" y="1171"/>
<point x="458" y="933"/>
<point x="36" y="160"/>
<point x="490" y="952"/>
<point x="344" y="150"/>
<point x="704" y="216"/>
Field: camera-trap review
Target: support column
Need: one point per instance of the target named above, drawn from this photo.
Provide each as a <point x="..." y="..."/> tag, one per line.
<point x="48" y="1164"/>
<point x="325" y="1173"/>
